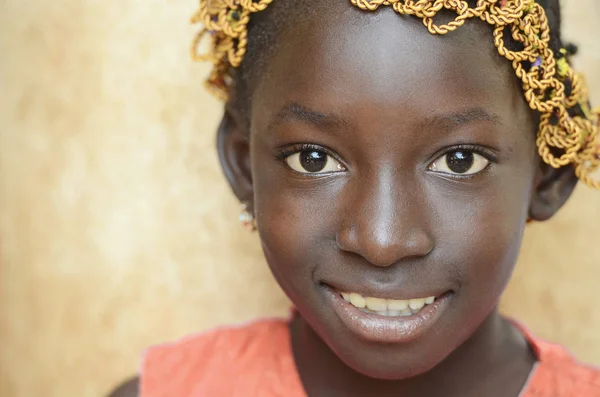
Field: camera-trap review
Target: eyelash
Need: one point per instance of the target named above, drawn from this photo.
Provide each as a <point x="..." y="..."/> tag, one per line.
<point x="301" y="147"/>
<point x="288" y="151"/>
<point x="480" y="150"/>
<point x="487" y="153"/>
<point x="490" y="155"/>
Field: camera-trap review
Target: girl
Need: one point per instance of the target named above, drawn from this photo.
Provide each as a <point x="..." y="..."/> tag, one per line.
<point x="390" y="160"/>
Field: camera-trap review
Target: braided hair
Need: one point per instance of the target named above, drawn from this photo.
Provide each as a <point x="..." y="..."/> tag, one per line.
<point x="265" y="27"/>
<point x="526" y="32"/>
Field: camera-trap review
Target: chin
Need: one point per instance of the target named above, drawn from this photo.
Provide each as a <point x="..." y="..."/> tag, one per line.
<point x="388" y="362"/>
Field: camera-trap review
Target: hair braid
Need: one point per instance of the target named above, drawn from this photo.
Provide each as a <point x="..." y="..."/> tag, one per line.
<point x="526" y="32"/>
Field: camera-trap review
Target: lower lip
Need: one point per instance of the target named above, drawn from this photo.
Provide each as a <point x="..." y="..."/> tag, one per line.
<point x="374" y="328"/>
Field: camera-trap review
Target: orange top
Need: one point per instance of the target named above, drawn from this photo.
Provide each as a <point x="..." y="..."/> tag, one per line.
<point x="256" y="360"/>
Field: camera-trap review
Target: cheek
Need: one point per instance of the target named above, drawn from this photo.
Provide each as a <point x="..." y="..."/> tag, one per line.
<point x="494" y="249"/>
<point x="296" y="225"/>
<point x="482" y="235"/>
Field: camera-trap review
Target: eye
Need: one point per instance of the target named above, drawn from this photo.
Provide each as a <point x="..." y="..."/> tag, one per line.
<point x="313" y="161"/>
<point x="460" y="162"/>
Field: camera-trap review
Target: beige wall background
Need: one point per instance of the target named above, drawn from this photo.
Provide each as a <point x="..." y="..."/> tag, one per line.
<point x="117" y="229"/>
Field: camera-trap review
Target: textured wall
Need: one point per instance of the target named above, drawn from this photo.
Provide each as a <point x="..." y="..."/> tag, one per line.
<point x="116" y="227"/>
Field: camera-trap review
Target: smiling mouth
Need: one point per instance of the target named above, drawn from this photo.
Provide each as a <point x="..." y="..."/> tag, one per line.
<point x="386" y="320"/>
<point x="387" y="307"/>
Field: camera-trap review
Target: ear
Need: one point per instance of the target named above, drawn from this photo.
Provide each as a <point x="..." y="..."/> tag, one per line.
<point x="234" y="154"/>
<point x="553" y="188"/>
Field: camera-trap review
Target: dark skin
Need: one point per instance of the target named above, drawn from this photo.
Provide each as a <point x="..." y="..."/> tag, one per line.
<point x="387" y="220"/>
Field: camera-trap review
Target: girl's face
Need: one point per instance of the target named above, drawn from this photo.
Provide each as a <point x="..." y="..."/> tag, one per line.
<point x="388" y="163"/>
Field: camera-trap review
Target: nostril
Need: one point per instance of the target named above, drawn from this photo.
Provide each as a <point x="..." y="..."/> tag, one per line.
<point x="347" y="241"/>
<point x="385" y="249"/>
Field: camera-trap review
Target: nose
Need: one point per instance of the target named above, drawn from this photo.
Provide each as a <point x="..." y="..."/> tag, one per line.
<point x="385" y="223"/>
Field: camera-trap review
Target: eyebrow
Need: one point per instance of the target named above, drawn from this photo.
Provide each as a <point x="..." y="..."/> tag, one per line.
<point x="460" y="118"/>
<point x="293" y="111"/>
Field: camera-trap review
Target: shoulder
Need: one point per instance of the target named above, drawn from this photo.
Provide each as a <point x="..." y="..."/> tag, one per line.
<point x="569" y="374"/>
<point x="233" y="340"/>
<point x="562" y="374"/>
<point x="209" y="361"/>
<point x="128" y="389"/>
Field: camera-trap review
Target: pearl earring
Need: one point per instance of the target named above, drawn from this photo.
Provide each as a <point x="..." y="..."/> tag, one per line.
<point x="247" y="219"/>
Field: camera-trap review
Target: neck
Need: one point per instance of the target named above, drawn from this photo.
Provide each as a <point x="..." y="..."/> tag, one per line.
<point x="496" y="356"/>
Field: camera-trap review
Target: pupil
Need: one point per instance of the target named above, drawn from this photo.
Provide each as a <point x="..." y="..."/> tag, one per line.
<point x="313" y="161"/>
<point x="459" y="161"/>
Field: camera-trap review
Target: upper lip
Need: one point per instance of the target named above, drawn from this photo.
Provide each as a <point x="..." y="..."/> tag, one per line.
<point x="388" y="292"/>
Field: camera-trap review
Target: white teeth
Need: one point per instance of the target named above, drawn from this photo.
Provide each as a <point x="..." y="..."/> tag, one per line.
<point x="376" y="304"/>
<point x="394" y="304"/>
<point x="357" y="300"/>
<point x="387" y="307"/>
<point x="416" y="304"/>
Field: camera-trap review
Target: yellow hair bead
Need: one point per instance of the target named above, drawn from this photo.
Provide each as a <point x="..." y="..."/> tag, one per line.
<point x="566" y="121"/>
<point x="563" y="67"/>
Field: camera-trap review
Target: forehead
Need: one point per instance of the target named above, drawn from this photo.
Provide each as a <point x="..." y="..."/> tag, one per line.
<point x="340" y="56"/>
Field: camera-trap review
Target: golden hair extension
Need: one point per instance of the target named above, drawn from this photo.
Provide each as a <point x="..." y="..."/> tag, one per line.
<point x="567" y="123"/>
